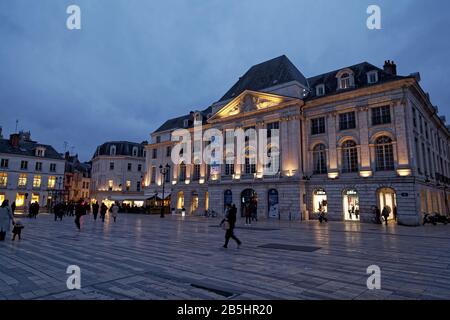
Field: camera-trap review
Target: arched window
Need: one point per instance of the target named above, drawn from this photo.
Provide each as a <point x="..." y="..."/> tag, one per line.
<point x="182" y="172"/>
<point x="384" y="154"/>
<point x="112" y="151"/>
<point x="345" y="81"/>
<point x="320" y="159"/>
<point x="349" y="157"/>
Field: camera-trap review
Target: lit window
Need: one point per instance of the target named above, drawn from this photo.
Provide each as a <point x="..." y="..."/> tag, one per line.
<point x="22" y="180"/>
<point x="37" y="182"/>
<point x="51" y="182"/>
<point x="128" y="185"/>
<point x="3" y="179"/>
<point x="110" y="185"/>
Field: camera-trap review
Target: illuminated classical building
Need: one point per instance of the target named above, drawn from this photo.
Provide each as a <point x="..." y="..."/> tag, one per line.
<point x="350" y="139"/>
<point x="118" y="168"/>
<point x="29" y="171"/>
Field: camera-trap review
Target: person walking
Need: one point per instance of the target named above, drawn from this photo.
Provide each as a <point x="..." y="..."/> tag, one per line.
<point x="114" y="211"/>
<point x="248" y="214"/>
<point x="80" y="211"/>
<point x="394" y="212"/>
<point x="386" y="211"/>
<point x="95" y="208"/>
<point x="6" y="218"/>
<point x="230" y="223"/>
<point x="13" y="207"/>
<point x="103" y="210"/>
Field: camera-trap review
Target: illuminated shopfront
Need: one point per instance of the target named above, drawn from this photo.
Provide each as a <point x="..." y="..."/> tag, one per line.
<point x="20" y="200"/>
<point x="35" y="197"/>
<point x="350" y="200"/>
<point x="180" y="200"/>
<point x="2" y="198"/>
<point x="388" y="198"/>
<point x="320" y="200"/>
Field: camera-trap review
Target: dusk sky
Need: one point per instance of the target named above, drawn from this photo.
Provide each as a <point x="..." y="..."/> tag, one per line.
<point x="136" y="63"/>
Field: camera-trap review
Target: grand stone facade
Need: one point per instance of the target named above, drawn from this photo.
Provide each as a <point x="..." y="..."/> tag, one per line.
<point x="350" y="139"/>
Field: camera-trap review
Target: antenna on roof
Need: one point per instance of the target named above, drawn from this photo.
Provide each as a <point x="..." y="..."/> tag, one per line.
<point x="65" y="146"/>
<point x="17" y="124"/>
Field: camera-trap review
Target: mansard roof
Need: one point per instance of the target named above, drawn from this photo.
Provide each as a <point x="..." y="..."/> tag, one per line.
<point x="123" y="148"/>
<point x="265" y="75"/>
<point x="28" y="149"/>
<point x="360" y="71"/>
<point x="281" y="70"/>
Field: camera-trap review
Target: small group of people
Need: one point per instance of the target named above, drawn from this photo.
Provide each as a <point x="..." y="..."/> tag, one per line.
<point x="352" y="210"/>
<point x="385" y="213"/>
<point x="33" y="210"/>
<point x="6" y="220"/>
<point x="250" y="212"/>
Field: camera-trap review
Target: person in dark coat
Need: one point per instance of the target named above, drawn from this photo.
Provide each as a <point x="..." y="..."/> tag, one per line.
<point x="80" y="211"/>
<point x="95" y="208"/>
<point x="394" y="212"/>
<point x="103" y="210"/>
<point x="13" y="207"/>
<point x="386" y="211"/>
<point x="230" y="219"/>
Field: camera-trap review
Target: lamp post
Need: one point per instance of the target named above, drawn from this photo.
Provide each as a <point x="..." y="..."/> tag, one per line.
<point x="164" y="171"/>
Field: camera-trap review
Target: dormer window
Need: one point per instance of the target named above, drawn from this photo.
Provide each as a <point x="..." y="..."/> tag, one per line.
<point x="198" y="117"/>
<point x="112" y="151"/>
<point x="40" y="152"/>
<point x="372" y="77"/>
<point x="135" y="152"/>
<point x="186" y="123"/>
<point x="345" y="79"/>
<point x="320" y="90"/>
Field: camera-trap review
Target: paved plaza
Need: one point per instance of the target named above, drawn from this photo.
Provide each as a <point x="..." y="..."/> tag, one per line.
<point x="146" y="257"/>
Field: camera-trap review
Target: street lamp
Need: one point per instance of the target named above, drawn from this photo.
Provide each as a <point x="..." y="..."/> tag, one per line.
<point x="164" y="171"/>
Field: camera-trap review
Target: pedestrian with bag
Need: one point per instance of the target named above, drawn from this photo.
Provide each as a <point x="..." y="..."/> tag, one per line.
<point x="228" y="224"/>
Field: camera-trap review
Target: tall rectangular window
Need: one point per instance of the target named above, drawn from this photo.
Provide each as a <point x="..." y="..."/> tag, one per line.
<point x="425" y="164"/>
<point x="128" y="185"/>
<point x="416" y="145"/>
<point x="229" y="169"/>
<point x="3" y="179"/>
<point x="414" y="117"/>
<point x="347" y="121"/>
<point x="139" y="167"/>
<point x="153" y="174"/>
<point x="4" y="163"/>
<point x="23" y="165"/>
<point x="168" y="151"/>
<point x="381" y="115"/>
<point x="129" y="167"/>
<point x="110" y="185"/>
<point x="52" y="167"/>
<point x="168" y="176"/>
<point x="111" y="166"/>
<point x="51" y="182"/>
<point x="272" y="126"/>
<point x="196" y="172"/>
<point x="154" y="153"/>
<point x="22" y="180"/>
<point x="37" y="181"/>
<point x="38" y="166"/>
<point x="317" y="126"/>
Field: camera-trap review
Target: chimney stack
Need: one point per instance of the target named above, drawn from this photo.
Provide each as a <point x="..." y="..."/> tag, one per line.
<point x="390" y="67"/>
<point x="14" y="140"/>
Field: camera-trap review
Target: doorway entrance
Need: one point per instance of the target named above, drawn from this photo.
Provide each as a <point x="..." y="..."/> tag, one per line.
<point x="351" y="205"/>
<point x="249" y="202"/>
<point x="387" y="198"/>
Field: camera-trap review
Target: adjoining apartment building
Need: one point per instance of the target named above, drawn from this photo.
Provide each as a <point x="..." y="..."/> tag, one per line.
<point x="350" y="139"/>
<point x="29" y="171"/>
<point x="77" y="179"/>
<point x="118" y="169"/>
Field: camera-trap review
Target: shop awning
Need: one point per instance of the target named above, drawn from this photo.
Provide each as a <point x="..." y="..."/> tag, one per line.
<point x="128" y="198"/>
<point x="159" y="196"/>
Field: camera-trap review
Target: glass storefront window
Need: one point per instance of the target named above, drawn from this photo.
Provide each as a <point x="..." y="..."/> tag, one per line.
<point x="51" y="182"/>
<point x="20" y="200"/>
<point x="351" y="205"/>
<point x="2" y="198"/>
<point x="387" y="197"/>
<point x="35" y="198"/>
<point x="320" y="201"/>
<point x="180" y="200"/>
<point x="37" y="182"/>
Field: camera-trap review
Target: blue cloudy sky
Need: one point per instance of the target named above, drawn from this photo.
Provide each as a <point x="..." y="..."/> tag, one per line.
<point x="136" y="63"/>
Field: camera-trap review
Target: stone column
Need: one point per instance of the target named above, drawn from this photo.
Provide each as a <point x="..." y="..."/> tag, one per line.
<point x="364" y="150"/>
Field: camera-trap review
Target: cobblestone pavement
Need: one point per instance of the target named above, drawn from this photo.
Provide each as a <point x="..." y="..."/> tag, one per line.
<point x="146" y="257"/>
